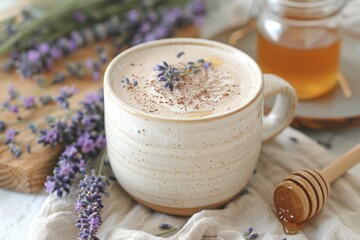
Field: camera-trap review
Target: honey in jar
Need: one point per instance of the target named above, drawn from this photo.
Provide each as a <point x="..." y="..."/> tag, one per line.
<point x="299" y="40"/>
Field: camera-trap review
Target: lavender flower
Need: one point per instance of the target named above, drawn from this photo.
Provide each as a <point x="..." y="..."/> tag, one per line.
<point x="50" y="137"/>
<point x="249" y="235"/>
<point x="89" y="205"/>
<point x="29" y="102"/>
<point x="165" y="226"/>
<point x="65" y="171"/>
<point x="65" y="93"/>
<point x="2" y="126"/>
<point x="15" y="150"/>
<point x="168" y="74"/>
<point x="58" y="78"/>
<point x="43" y="48"/>
<point x="28" y="148"/>
<point x="133" y="16"/>
<point x="79" y="16"/>
<point x="45" y="100"/>
<point x="84" y="138"/>
<point x="13" y="94"/>
<point x="198" y="8"/>
<point x="10" y="135"/>
<point x="33" y="56"/>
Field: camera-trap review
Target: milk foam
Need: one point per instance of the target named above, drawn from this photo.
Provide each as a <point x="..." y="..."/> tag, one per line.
<point x="222" y="88"/>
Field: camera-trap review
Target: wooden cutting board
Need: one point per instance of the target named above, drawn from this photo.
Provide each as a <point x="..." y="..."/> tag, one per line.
<point x="28" y="173"/>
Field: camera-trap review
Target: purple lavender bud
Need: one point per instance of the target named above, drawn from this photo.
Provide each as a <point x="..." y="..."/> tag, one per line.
<point x="94" y="223"/>
<point x="150" y="37"/>
<point x="79" y="16"/>
<point x="50" y="186"/>
<point x="12" y="92"/>
<point x="28" y="102"/>
<point x="133" y="16"/>
<point x="206" y="65"/>
<point x="89" y="63"/>
<point x="15" y="150"/>
<point x="70" y="151"/>
<point x="82" y="166"/>
<point x="10" y="135"/>
<point x="172" y="16"/>
<point x="103" y="56"/>
<point x="45" y="100"/>
<point x="14" y="109"/>
<point x="165" y="226"/>
<point x="87" y="35"/>
<point x="77" y="38"/>
<point x="59" y="78"/>
<point x="100" y="31"/>
<point x="100" y="142"/>
<point x="10" y="29"/>
<point x="43" y="48"/>
<point x="28" y="148"/>
<point x="249" y="231"/>
<point x="15" y="56"/>
<point x="33" y="128"/>
<point x="66" y="168"/>
<point x="71" y="46"/>
<point x="153" y="17"/>
<point x="2" y="126"/>
<point x="253" y="236"/>
<point x="56" y="53"/>
<point x="88" y="146"/>
<point x="48" y="66"/>
<point x="96" y="75"/>
<point x="198" y="8"/>
<point x="162" y="32"/>
<point x="145" y="27"/>
<point x="68" y="91"/>
<point x="51" y="136"/>
<point x="33" y="56"/>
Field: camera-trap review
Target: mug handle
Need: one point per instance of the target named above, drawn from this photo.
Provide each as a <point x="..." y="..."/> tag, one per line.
<point x="284" y="107"/>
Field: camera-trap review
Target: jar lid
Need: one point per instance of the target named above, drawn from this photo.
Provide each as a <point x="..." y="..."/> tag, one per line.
<point x="305" y="9"/>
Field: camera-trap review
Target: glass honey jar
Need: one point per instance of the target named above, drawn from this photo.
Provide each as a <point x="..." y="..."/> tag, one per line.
<point x="299" y="40"/>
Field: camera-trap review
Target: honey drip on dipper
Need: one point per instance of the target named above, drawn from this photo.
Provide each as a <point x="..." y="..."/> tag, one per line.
<point x="302" y="194"/>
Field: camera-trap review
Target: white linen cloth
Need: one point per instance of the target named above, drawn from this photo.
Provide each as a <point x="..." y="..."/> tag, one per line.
<point x="123" y="218"/>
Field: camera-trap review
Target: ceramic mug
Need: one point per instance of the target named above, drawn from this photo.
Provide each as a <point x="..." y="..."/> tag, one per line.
<point x="183" y="165"/>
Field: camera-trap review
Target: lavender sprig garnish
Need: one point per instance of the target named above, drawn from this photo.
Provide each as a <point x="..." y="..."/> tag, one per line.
<point x="167" y="74"/>
<point x="170" y="75"/>
<point x="89" y="205"/>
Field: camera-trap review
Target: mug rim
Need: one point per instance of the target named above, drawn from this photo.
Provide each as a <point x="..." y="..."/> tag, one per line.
<point x="108" y="89"/>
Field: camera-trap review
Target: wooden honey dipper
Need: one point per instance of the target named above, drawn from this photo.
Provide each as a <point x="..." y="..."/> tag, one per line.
<point x="302" y="194"/>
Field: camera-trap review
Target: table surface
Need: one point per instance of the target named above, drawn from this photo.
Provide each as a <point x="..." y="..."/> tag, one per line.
<point x="17" y="210"/>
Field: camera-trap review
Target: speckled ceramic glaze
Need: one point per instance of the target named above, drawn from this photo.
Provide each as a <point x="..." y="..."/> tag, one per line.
<point x="180" y="166"/>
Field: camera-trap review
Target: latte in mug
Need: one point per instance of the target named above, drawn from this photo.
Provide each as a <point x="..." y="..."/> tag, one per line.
<point x="224" y="85"/>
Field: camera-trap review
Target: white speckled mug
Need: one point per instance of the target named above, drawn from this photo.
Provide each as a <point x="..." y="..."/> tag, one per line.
<point x="183" y="165"/>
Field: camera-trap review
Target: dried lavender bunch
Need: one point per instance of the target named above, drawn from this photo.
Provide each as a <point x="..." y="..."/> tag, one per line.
<point x="171" y="75"/>
<point x="144" y="22"/>
<point x="83" y="136"/>
<point x="89" y="205"/>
